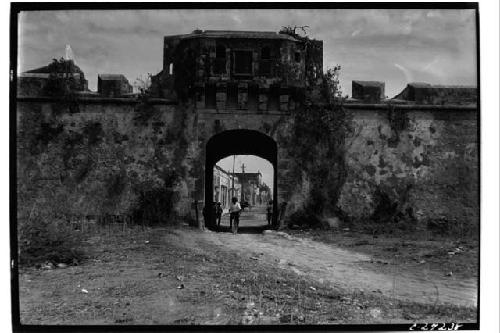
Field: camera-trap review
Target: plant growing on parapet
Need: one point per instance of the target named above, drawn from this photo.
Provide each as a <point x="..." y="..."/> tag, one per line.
<point x="62" y="84"/>
<point x="144" y="109"/>
<point x="143" y="85"/>
<point x="292" y="30"/>
<point x="62" y="81"/>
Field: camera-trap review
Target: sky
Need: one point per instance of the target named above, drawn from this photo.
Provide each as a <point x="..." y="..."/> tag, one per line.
<point x="394" y="46"/>
<point x="252" y="164"/>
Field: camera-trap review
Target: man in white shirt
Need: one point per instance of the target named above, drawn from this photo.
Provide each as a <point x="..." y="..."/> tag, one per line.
<point x="234" y="214"/>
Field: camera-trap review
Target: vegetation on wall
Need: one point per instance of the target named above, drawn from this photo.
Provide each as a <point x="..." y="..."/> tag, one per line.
<point x="144" y="109"/>
<point x="317" y="146"/>
<point x="62" y="84"/>
<point x="317" y="136"/>
<point x="155" y="204"/>
<point x="399" y="122"/>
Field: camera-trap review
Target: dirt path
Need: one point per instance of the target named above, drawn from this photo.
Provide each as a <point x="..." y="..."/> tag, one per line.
<point x="345" y="269"/>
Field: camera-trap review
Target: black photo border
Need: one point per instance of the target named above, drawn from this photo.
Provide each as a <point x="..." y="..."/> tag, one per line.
<point x="18" y="7"/>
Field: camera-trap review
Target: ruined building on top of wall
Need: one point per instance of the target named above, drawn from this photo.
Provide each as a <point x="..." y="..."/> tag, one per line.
<point x="246" y="70"/>
<point x="413" y="157"/>
<point x="113" y="85"/>
<point x="34" y="82"/>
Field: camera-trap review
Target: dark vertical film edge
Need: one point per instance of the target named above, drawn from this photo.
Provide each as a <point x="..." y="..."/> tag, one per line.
<point x="478" y="119"/>
<point x="15" y="320"/>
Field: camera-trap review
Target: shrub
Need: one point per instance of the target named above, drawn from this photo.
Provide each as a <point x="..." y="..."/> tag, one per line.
<point x="44" y="238"/>
<point x="155" y="207"/>
<point x="304" y="219"/>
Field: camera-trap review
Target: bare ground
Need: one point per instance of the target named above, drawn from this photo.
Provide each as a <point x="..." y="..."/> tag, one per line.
<point x="185" y="276"/>
<point x="346" y="269"/>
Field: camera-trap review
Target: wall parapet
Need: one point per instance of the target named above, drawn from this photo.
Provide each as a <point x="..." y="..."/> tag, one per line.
<point x="415" y="107"/>
<point x="96" y="100"/>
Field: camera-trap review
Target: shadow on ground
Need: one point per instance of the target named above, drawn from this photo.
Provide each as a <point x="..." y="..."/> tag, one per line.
<point x="245" y="229"/>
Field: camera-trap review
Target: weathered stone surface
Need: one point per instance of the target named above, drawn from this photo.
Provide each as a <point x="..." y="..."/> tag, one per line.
<point x="103" y="158"/>
<point x="430" y="164"/>
<point x="99" y="160"/>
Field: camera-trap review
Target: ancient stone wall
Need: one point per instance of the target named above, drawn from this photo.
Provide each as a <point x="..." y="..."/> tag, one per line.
<point x="118" y="156"/>
<point x="422" y="162"/>
<point x="108" y="158"/>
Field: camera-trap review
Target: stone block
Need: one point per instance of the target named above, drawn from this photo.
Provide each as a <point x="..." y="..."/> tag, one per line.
<point x="221" y="97"/>
<point x="242" y="100"/>
<point x="200" y="104"/>
<point x="221" y="105"/>
<point x="263" y="106"/>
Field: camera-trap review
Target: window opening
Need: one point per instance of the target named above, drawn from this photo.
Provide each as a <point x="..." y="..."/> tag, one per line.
<point x="243" y="62"/>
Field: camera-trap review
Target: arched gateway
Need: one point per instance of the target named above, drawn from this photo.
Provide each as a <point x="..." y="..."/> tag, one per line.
<point x="244" y="85"/>
<point x="239" y="142"/>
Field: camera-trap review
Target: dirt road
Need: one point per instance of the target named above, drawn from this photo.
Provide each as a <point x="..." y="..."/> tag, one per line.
<point x="185" y="276"/>
<point x="341" y="268"/>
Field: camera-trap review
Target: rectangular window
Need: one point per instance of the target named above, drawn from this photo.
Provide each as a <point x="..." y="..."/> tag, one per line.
<point x="253" y="96"/>
<point x="243" y="62"/>
<point x="220" y="59"/>
<point x="265" y="67"/>
<point x="265" y="61"/>
<point x="297" y="56"/>
<point x="210" y="92"/>
<point x="273" y="102"/>
<point x="232" y="95"/>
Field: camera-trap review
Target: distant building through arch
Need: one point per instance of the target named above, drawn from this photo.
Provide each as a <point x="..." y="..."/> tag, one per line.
<point x="239" y="142"/>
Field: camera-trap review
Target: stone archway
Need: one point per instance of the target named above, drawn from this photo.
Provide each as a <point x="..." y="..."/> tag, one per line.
<point x="240" y="142"/>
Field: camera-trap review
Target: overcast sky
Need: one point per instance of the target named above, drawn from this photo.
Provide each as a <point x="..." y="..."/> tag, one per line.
<point x="252" y="164"/>
<point x="395" y="46"/>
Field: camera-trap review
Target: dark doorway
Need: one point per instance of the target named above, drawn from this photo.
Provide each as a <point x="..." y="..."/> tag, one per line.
<point x="239" y="142"/>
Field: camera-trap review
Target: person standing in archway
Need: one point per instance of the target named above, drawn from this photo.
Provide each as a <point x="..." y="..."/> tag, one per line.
<point x="234" y="214"/>
<point x="269" y="210"/>
<point x="218" y="213"/>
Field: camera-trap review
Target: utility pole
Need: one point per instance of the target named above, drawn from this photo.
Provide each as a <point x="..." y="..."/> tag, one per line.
<point x="242" y="182"/>
<point x="232" y="188"/>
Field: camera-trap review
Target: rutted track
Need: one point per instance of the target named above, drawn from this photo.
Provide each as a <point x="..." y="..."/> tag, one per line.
<point x="343" y="268"/>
